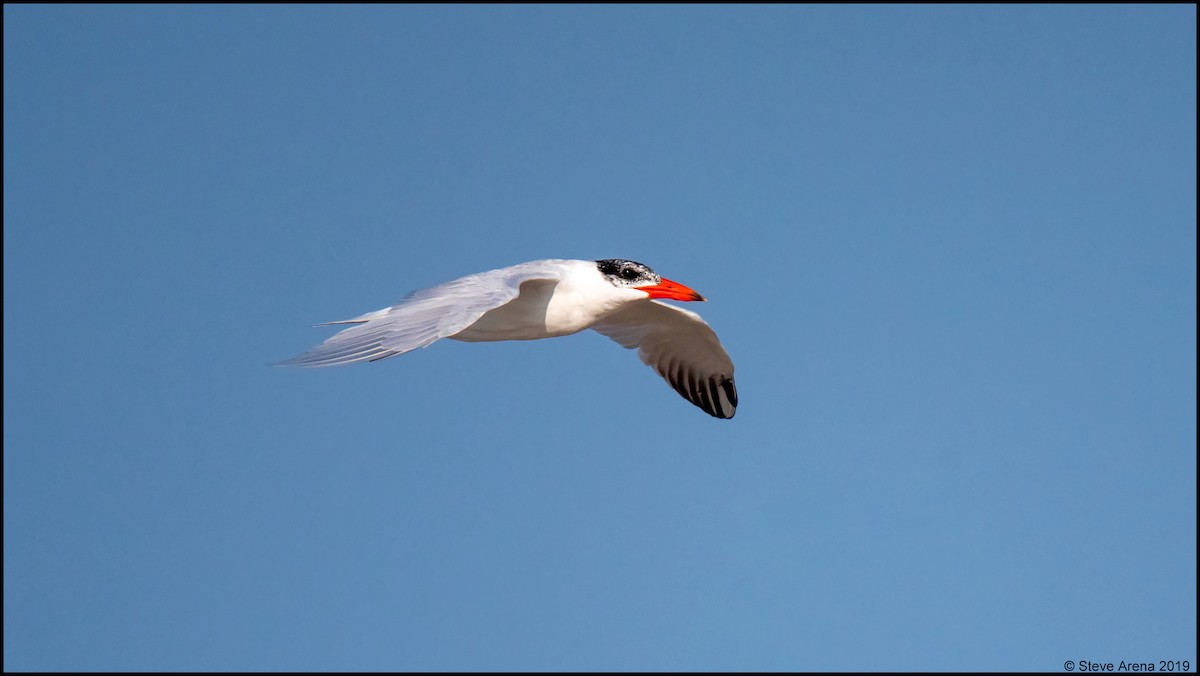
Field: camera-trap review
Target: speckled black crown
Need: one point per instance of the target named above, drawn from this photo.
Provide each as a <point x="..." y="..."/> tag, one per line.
<point x="623" y="272"/>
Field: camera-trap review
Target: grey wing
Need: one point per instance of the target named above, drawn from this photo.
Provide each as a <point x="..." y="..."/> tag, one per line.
<point x="424" y="316"/>
<point x="682" y="348"/>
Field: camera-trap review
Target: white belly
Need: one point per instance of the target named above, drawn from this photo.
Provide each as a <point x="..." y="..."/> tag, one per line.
<point x="539" y="312"/>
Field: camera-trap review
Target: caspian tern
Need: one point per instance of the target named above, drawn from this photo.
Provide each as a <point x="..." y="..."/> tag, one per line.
<point x="545" y="299"/>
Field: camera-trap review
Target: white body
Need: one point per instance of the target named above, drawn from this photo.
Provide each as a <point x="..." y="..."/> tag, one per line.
<point x="545" y="299"/>
<point x="547" y="308"/>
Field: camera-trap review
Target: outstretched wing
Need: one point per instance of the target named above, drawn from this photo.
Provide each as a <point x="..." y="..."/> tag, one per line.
<point x="682" y="348"/>
<point x="424" y="316"/>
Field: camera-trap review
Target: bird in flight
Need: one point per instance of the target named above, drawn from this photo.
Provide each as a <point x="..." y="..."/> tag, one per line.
<point x="545" y="299"/>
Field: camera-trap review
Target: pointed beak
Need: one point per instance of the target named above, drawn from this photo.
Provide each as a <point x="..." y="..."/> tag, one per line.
<point x="672" y="290"/>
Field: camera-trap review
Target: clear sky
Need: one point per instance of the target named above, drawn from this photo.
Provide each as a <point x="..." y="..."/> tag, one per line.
<point x="951" y="250"/>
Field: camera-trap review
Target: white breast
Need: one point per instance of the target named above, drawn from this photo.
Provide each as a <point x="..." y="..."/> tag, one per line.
<point x="548" y="308"/>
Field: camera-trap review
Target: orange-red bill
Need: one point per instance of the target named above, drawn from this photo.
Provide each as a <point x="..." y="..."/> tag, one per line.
<point x="672" y="290"/>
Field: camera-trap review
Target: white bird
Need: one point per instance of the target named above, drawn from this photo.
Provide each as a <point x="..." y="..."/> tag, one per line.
<point x="544" y="299"/>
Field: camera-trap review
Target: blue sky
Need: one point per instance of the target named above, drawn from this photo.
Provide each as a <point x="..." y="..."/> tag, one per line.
<point x="952" y="251"/>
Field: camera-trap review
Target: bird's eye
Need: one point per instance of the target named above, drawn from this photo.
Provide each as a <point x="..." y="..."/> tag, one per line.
<point x="629" y="273"/>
